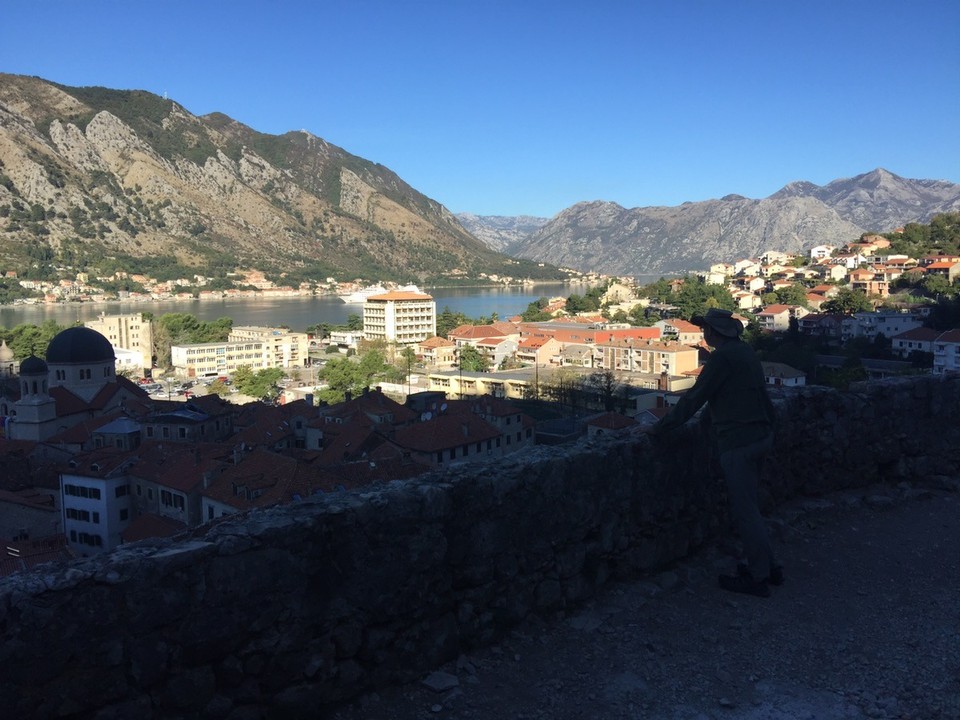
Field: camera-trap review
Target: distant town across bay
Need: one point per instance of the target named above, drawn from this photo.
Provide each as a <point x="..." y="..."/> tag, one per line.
<point x="297" y="313"/>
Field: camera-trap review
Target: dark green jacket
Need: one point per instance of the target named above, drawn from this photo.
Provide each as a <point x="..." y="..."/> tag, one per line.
<point x="733" y="387"/>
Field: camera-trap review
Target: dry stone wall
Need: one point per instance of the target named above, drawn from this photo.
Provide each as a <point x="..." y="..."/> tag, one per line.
<point x="283" y="612"/>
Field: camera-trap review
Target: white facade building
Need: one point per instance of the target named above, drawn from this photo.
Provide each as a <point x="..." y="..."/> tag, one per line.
<point x="400" y="317"/>
<point x="871" y="324"/>
<point x="213" y="359"/>
<point x="284" y="348"/>
<point x="96" y="503"/>
<point x="946" y="352"/>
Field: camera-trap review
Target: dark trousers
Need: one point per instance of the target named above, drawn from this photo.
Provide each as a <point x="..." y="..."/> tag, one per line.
<point x="741" y="470"/>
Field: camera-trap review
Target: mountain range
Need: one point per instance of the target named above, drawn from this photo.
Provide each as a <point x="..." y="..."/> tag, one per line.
<point x="608" y="238"/>
<point x="90" y="175"/>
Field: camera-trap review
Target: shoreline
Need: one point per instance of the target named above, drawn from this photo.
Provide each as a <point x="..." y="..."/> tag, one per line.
<point x="260" y="295"/>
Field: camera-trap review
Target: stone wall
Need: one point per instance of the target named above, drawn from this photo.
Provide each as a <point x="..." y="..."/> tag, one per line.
<point x="285" y="611"/>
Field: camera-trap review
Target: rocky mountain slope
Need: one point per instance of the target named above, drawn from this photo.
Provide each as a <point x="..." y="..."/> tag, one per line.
<point x="606" y="237"/>
<point x="88" y="173"/>
<point x="499" y="231"/>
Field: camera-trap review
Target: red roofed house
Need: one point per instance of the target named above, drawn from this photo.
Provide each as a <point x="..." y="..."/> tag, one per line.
<point x="684" y="332"/>
<point x="497" y="349"/>
<point x="437" y="352"/>
<point x="647" y="356"/>
<point x="609" y="423"/>
<point x="949" y="270"/>
<point x="538" y="351"/>
<point x="931" y="259"/>
<point x="918" y="339"/>
<point x="777" y="317"/>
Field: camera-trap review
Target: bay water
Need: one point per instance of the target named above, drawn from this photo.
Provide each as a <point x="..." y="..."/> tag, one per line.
<point x="297" y="313"/>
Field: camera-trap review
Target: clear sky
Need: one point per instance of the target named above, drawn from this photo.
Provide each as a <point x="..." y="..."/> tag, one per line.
<point x="511" y="107"/>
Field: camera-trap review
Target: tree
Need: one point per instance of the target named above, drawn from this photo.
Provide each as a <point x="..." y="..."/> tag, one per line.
<point x="535" y="313"/>
<point x="605" y="386"/>
<point x="261" y="384"/>
<point x="26" y="340"/>
<point x="449" y="320"/>
<point x="471" y="360"/>
<point x="696" y="297"/>
<point x="848" y="301"/>
<point x="795" y="294"/>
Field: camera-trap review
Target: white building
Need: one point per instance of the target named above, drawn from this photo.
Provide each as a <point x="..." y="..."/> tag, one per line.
<point x="284" y="348"/>
<point x="401" y="317"/>
<point x="871" y="324"/>
<point x="946" y="352"/>
<point x="95" y="497"/>
<point x="214" y="359"/>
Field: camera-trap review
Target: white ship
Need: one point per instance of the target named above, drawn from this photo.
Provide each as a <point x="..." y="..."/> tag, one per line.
<point x="359" y="297"/>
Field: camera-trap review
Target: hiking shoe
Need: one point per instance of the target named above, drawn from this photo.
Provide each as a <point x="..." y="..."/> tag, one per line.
<point x="775" y="577"/>
<point x="744" y="583"/>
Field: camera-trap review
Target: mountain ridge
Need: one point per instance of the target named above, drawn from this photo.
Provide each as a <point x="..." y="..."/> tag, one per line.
<point x="606" y="237"/>
<point x="94" y="172"/>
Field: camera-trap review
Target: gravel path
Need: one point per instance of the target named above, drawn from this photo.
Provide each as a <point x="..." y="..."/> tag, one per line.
<point x="867" y="625"/>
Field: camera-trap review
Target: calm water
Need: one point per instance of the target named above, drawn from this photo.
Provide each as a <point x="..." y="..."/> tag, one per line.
<point x="296" y="313"/>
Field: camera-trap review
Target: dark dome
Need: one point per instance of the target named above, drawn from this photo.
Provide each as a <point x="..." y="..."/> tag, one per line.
<point x="79" y="345"/>
<point x="33" y="366"/>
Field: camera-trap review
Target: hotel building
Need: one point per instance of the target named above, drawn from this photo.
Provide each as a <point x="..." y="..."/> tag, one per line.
<point x="401" y="317"/>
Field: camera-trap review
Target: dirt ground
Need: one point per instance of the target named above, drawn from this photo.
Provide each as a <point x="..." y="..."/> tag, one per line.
<point x="867" y="625"/>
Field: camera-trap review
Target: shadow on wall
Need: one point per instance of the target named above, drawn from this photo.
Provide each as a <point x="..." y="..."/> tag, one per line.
<point x="294" y="608"/>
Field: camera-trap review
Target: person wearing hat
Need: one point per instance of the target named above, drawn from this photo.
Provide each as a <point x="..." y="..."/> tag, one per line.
<point x="733" y="387"/>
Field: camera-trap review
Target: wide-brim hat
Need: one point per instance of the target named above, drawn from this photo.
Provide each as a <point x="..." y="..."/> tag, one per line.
<point x="722" y="321"/>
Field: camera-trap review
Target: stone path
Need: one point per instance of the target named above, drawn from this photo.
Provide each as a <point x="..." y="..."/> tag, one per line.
<point x="867" y="625"/>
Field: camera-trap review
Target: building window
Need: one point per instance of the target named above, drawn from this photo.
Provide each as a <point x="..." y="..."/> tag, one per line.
<point x="182" y="432"/>
<point x="121" y="490"/>
<point x="124" y="514"/>
<point x="149" y="432"/>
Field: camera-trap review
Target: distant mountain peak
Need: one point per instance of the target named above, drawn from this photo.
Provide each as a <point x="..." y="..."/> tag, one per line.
<point x="694" y="235"/>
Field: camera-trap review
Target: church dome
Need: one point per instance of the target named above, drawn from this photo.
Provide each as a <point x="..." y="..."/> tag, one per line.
<point x="33" y="366"/>
<point x="6" y="354"/>
<point x="79" y="345"/>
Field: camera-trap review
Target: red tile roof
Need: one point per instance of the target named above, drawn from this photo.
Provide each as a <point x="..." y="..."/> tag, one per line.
<point x="443" y="432"/>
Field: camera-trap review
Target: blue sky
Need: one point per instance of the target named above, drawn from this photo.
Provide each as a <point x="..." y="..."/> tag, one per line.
<point x="527" y="107"/>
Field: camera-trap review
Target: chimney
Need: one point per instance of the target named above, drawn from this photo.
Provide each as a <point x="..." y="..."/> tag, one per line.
<point x="347" y="396"/>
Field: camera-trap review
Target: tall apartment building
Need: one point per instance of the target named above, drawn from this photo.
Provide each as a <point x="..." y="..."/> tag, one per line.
<point x="283" y="348"/>
<point x="401" y="317"/>
<point x="127" y="332"/>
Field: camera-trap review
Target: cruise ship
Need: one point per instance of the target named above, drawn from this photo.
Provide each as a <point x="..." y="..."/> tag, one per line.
<point x="359" y="297"/>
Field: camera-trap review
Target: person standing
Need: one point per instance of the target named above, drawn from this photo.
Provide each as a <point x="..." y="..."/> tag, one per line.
<point x="733" y="387"/>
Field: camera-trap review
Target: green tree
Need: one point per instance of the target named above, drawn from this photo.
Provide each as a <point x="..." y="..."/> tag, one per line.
<point x="848" y="301"/>
<point x="535" y="313"/>
<point x="26" y="339"/>
<point x="795" y="294"/>
<point x="696" y="297"/>
<point x="472" y="360"/>
<point x="449" y="320"/>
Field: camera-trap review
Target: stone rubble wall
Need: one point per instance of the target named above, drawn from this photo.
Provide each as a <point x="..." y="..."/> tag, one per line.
<point x="285" y="611"/>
